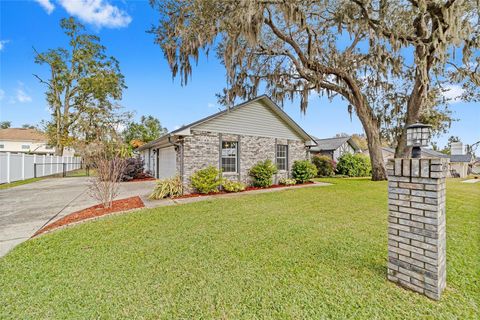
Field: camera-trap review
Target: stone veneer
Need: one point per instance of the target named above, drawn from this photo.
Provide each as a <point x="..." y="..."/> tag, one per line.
<point x="416" y="224"/>
<point x="202" y="149"/>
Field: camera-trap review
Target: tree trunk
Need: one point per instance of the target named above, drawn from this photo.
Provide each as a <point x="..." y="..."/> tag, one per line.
<point x="372" y="130"/>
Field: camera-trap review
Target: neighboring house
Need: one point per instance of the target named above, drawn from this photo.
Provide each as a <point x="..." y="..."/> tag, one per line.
<point x="460" y="161"/>
<point x="334" y="147"/>
<point x="389" y="153"/>
<point x="232" y="140"/>
<point x="21" y="140"/>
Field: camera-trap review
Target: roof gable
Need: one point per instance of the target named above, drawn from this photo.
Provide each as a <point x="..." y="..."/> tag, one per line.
<point x="333" y="144"/>
<point x="21" y="134"/>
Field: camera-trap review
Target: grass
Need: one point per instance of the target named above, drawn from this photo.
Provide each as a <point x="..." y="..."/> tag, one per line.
<point x="18" y="183"/>
<point x="303" y="253"/>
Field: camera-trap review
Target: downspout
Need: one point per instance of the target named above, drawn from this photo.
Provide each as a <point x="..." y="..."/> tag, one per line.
<point x="180" y="148"/>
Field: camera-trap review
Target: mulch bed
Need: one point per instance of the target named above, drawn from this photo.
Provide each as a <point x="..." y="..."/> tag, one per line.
<point x="141" y="179"/>
<point x="93" y="212"/>
<point x="250" y="188"/>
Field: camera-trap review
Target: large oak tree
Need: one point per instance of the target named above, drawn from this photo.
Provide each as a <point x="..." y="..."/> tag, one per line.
<point x="350" y="48"/>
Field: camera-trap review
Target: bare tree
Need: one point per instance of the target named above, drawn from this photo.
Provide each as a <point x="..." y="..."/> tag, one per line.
<point x="109" y="166"/>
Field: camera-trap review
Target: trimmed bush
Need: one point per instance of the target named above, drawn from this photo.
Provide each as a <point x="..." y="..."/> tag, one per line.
<point x="167" y="188"/>
<point x="262" y="173"/>
<point x="134" y="169"/>
<point x="233" y="186"/>
<point x="303" y="170"/>
<point x="287" y="181"/>
<point x="206" y="180"/>
<point x="354" y="165"/>
<point x="325" y="165"/>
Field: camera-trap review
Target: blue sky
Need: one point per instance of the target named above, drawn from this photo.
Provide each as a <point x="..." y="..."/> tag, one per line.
<point x="151" y="91"/>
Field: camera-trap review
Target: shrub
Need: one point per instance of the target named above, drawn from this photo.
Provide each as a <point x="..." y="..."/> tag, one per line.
<point x="287" y="181"/>
<point x="233" y="186"/>
<point x="262" y="173"/>
<point x="354" y="165"/>
<point x="134" y="169"/>
<point x="325" y="165"/>
<point x="206" y="180"/>
<point x="303" y="170"/>
<point x="167" y="188"/>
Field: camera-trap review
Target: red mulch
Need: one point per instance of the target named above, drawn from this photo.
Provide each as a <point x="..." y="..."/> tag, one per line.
<point x="92" y="212"/>
<point x="250" y="188"/>
<point x="141" y="179"/>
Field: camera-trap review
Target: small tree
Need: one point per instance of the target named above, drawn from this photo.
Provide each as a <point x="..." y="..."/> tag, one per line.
<point x="354" y="165"/>
<point x="303" y="171"/>
<point x="109" y="165"/>
<point x="325" y="165"/>
<point x="262" y="173"/>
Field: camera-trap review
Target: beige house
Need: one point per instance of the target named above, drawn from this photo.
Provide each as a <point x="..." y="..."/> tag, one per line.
<point x="232" y="140"/>
<point x="32" y="141"/>
<point x="334" y="147"/>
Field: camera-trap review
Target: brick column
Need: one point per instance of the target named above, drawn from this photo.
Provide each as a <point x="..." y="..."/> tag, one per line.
<point x="416" y="224"/>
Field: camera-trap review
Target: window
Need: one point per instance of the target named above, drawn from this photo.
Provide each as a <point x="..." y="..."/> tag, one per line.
<point x="282" y="156"/>
<point x="229" y="156"/>
<point x="25" y="146"/>
<point x="2" y="146"/>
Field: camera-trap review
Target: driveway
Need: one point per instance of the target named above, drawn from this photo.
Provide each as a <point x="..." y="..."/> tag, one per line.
<point x="27" y="208"/>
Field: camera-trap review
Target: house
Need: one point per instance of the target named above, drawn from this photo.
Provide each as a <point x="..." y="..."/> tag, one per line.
<point x="232" y="140"/>
<point x="334" y="147"/>
<point x="389" y="153"/>
<point x="461" y="162"/>
<point x="24" y="140"/>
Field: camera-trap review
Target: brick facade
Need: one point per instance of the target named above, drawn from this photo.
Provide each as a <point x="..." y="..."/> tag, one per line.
<point x="202" y="149"/>
<point x="416" y="224"/>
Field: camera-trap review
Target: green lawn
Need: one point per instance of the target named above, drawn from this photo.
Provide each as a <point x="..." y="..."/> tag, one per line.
<point x="305" y="253"/>
<point x="18" y="183"/>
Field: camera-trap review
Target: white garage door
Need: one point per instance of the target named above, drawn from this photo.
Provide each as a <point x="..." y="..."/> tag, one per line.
<point x="167" y="163"/>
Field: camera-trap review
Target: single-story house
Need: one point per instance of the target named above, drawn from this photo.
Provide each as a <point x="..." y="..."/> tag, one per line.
<point x="334" y="147"/>
<point x="26" y="140"/>
<point x="232" y="140"/>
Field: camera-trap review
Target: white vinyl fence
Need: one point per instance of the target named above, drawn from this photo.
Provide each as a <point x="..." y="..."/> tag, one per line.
<point x="21" y="166"/>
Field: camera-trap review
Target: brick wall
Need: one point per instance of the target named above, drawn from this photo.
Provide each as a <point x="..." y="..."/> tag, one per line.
<point x="416" y="224"/>
<point x="202" y="149"/>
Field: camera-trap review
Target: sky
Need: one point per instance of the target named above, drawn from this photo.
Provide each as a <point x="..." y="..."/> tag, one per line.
<point x="122" y="27"/>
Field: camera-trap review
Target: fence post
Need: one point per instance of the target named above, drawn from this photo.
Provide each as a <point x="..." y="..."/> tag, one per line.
<point x="43" y="166"/>
<point x="23" y="166"/>
<point x="34" y="165"/>
<point x="8" y="167"/>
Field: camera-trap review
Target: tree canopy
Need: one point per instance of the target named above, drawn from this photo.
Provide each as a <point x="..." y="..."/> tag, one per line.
<point x="354" y="49"/>
<point x="83" y="87"/>
<point x="138" y="133"/>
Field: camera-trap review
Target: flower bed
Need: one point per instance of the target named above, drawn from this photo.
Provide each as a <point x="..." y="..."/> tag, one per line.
<point x="93" y="212"/>
<point x="249" y="188"/>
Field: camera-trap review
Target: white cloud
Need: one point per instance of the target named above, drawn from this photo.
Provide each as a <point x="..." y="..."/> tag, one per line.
<point x="2" y="44"/>
<point x="97" y="12"/>
<point x="2" y="94"/>
<point x="47" y="5"/>
<point x="22" y="96"/>
<point x="176" y="127"/>
<point x="453" y="93"/>
<point x="211" y="105"/>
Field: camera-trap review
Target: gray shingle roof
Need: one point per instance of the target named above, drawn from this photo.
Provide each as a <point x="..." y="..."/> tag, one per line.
<point x="331" y="143"/>
<point x="461" y="158"/>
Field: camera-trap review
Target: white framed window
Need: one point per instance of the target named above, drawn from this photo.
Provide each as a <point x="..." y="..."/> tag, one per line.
<point x="282" y="156"/>
<point x="229" y="157"/>
<point x="25" y="147"/>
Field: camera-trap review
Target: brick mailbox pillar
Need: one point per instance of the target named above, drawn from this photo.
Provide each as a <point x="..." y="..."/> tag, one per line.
<point x="416" y="224"/>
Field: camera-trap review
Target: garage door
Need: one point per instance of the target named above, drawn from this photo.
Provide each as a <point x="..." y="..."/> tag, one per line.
<point x="167" y="163"/>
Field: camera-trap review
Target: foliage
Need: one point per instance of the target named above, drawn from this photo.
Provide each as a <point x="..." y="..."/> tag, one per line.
<point x="5" y="124"/>
<point x="303" y="171"/>
<point x="167" y="188"/>
<point x="291" y="51"/>
<point x="354" y="165"/>
<point x="325" y="165"/>
<point x="360" y="140"/>
<point x="206" y="180"/>
<point x="320" y="248"/>
<point x="233" y="186"/>
<point x="262" y="173"/>
<point x="134" y="169"/>
<point x="148" y="129"/>
<point x="287" y="181"/>
<point x="83" y="88"/>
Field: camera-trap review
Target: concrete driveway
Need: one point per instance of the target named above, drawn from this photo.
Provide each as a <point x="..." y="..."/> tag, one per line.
<point x="27" y="208"/>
